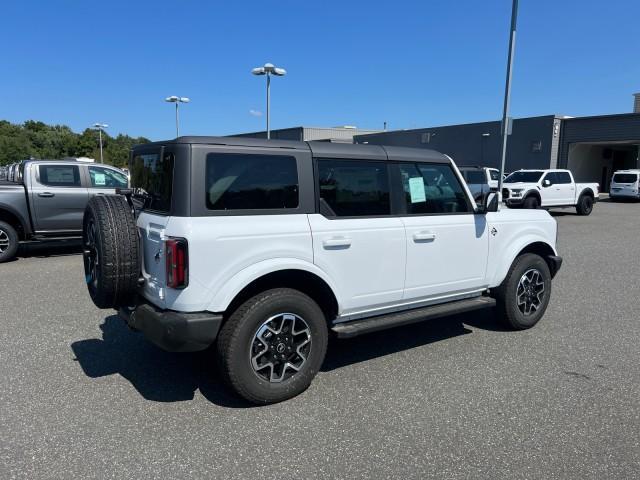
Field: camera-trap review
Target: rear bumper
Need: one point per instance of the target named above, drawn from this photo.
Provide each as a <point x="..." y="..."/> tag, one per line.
<point x="173" y="331"/>
<point x="555" y="262"/>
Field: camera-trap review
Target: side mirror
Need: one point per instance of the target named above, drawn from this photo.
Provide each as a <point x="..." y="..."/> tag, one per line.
<point x="546" y="183"/>
<point x="490" y="203"/>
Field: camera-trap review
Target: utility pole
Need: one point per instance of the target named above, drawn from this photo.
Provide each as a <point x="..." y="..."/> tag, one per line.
<point x="507" y="92"/>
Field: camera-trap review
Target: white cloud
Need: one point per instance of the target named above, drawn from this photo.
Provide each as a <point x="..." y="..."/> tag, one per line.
<point x="255" y="113"/>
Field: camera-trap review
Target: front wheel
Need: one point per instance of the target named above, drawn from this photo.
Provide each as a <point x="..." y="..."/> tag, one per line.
<point x="272" y="346"/>
<point x="531" y="202"/>
<point x="8" y="242"/>
<point x="524" y="295"/>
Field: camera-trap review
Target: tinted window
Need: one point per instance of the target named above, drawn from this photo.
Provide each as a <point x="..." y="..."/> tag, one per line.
<point x="152" y="177"/>
<point x="495" y="174"/>
<point x="526" y="177"/>
<point x="625" y="178"/>
<point x="563" y="177"/>
<point x="551" y="176"/>
<point x="107" y="178"/>
<point x="353" y="188"/>
<point x="60" y="175"/>
<point x="474" y="176"/>
<point x="432" y="188"/>
<point x="251" y="182"/>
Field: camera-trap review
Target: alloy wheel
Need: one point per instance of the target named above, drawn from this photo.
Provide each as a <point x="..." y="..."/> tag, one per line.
<point x="530" y="292"/>
<point x="280" y="347"/>
<point x="5" y="242"/>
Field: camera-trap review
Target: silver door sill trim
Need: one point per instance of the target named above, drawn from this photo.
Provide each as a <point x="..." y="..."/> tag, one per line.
<point x="409" y="305"/>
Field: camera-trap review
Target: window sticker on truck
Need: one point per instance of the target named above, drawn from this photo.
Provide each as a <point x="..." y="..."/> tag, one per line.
<point x="416" y="189"/>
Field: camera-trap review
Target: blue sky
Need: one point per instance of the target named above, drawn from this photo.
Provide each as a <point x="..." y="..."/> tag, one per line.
<point x="410" y="63"/>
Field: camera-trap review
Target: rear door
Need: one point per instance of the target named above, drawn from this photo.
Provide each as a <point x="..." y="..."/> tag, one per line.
<point x="446" y="242"/>
<point x="356" y="240"/>
<point x="58" y="198"/>
<point x="566" y="188"/>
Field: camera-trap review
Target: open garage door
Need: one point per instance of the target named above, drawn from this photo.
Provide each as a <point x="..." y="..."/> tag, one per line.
<point x="596" y="162"/>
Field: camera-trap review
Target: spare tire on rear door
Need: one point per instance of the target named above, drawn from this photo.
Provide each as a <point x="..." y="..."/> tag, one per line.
<point x="111" y="251"/>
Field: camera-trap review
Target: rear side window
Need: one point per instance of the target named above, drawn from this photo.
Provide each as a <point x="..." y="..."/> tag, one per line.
<point x="474" y="176"/>
<point x="237" y="181"/>
<point x="432" y="189"/>
<point x="563" y="177"/>
<point x="152" y="177"/>
<point x="625" y="178"/>
<point x="353" y="188"/>
<point x="495" y="175"/>
<point x="107" y="178"/>
<point x="60" y="175"/>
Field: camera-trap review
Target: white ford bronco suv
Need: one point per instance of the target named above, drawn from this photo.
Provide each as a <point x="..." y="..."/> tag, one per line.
<point x="261" y="248"/>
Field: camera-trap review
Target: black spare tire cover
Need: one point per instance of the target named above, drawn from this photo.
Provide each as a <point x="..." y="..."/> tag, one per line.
<point x="111" y="251"/>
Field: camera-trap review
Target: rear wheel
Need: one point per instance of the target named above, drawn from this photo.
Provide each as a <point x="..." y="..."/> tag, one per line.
<point x="8" y="242"/>
<point x="531" y="202"/>
<point x="111" y="251"/>
<point x="524" y="295"/>
<point x="585" y="205"/>
<point x="272" y="346"/>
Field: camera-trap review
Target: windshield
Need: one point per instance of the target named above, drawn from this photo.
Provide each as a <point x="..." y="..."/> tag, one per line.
<point x="523" y="177"/>
<point x="152" y="179"/>
<point x="625" y="178"/>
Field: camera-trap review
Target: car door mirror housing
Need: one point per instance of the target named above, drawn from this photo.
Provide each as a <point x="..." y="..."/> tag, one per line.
<point x="546" y="182"/>
<point x="490" y="202"/>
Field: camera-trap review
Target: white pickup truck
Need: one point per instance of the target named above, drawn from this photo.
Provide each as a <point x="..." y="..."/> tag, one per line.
<point x="549" y="188"/>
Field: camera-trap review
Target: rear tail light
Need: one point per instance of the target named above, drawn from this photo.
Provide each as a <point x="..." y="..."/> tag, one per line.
<point x="177" y="262"/>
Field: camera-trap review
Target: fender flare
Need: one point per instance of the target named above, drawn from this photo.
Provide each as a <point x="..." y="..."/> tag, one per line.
<point x="512" y="253"/>
<point x="23" y="223"/>
<point x="238" y="281"/>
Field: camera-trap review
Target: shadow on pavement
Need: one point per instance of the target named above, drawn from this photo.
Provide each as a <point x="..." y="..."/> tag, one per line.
<point x="173" y="377"/>
<point x="157" y="375"/>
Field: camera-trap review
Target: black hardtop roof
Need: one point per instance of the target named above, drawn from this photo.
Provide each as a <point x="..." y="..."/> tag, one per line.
<point x="317" y="148"/>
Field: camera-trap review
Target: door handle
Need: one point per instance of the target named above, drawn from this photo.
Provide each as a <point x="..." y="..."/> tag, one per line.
<point x="46" y="194"/>
<point x="337" y="242"/>
<point x="424" y="237"/>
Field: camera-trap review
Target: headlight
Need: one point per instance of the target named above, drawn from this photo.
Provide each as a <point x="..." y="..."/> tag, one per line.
<point x="516" y="192"/>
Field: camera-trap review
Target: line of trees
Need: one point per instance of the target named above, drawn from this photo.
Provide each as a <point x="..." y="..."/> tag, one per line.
<point x="34" y="139"/>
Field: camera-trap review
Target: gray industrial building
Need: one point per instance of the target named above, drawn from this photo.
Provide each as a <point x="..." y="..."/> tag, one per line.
<point x="319" y="134"/>
<point x="591" y="147"/>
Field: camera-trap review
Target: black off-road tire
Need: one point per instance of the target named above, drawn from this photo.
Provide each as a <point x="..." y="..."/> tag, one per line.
<point x="531" y="202"/>
<point x="585" y="205"/>
<point x="236" y="339"/>
<point x="110" y="238"/>
<point x="9" y="242"/>
<point x="508" y="310"/>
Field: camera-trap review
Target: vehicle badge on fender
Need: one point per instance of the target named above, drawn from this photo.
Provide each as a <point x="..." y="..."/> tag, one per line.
<point x="494" y="232"/>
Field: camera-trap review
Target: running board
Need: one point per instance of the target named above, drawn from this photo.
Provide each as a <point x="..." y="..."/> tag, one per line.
<point x="396" y="319"/>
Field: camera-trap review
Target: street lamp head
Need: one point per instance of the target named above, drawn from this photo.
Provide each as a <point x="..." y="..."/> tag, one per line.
<point x="258" y="71"/>
<point x="172" y="99"/>
<point x="185" y="99"/>
<point x="280" y="72"/>
<point x="100" y="125"/>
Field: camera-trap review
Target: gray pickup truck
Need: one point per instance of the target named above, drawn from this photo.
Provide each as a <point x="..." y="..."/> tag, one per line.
<point x="47" y="198"/>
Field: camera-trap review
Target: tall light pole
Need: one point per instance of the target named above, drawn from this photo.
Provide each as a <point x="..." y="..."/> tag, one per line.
<point x="100" y="127"/>
<point x="507" y="92"/>
<point x="269" y="69"/>
<point x="177" y="101"/>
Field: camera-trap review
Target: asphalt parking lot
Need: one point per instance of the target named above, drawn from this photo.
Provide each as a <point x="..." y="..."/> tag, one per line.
<point x="83" y="397"/>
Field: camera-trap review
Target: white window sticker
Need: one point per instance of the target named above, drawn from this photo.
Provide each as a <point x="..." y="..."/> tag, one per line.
<point x="100" y="179"/>
<point x="416" y="189"/>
